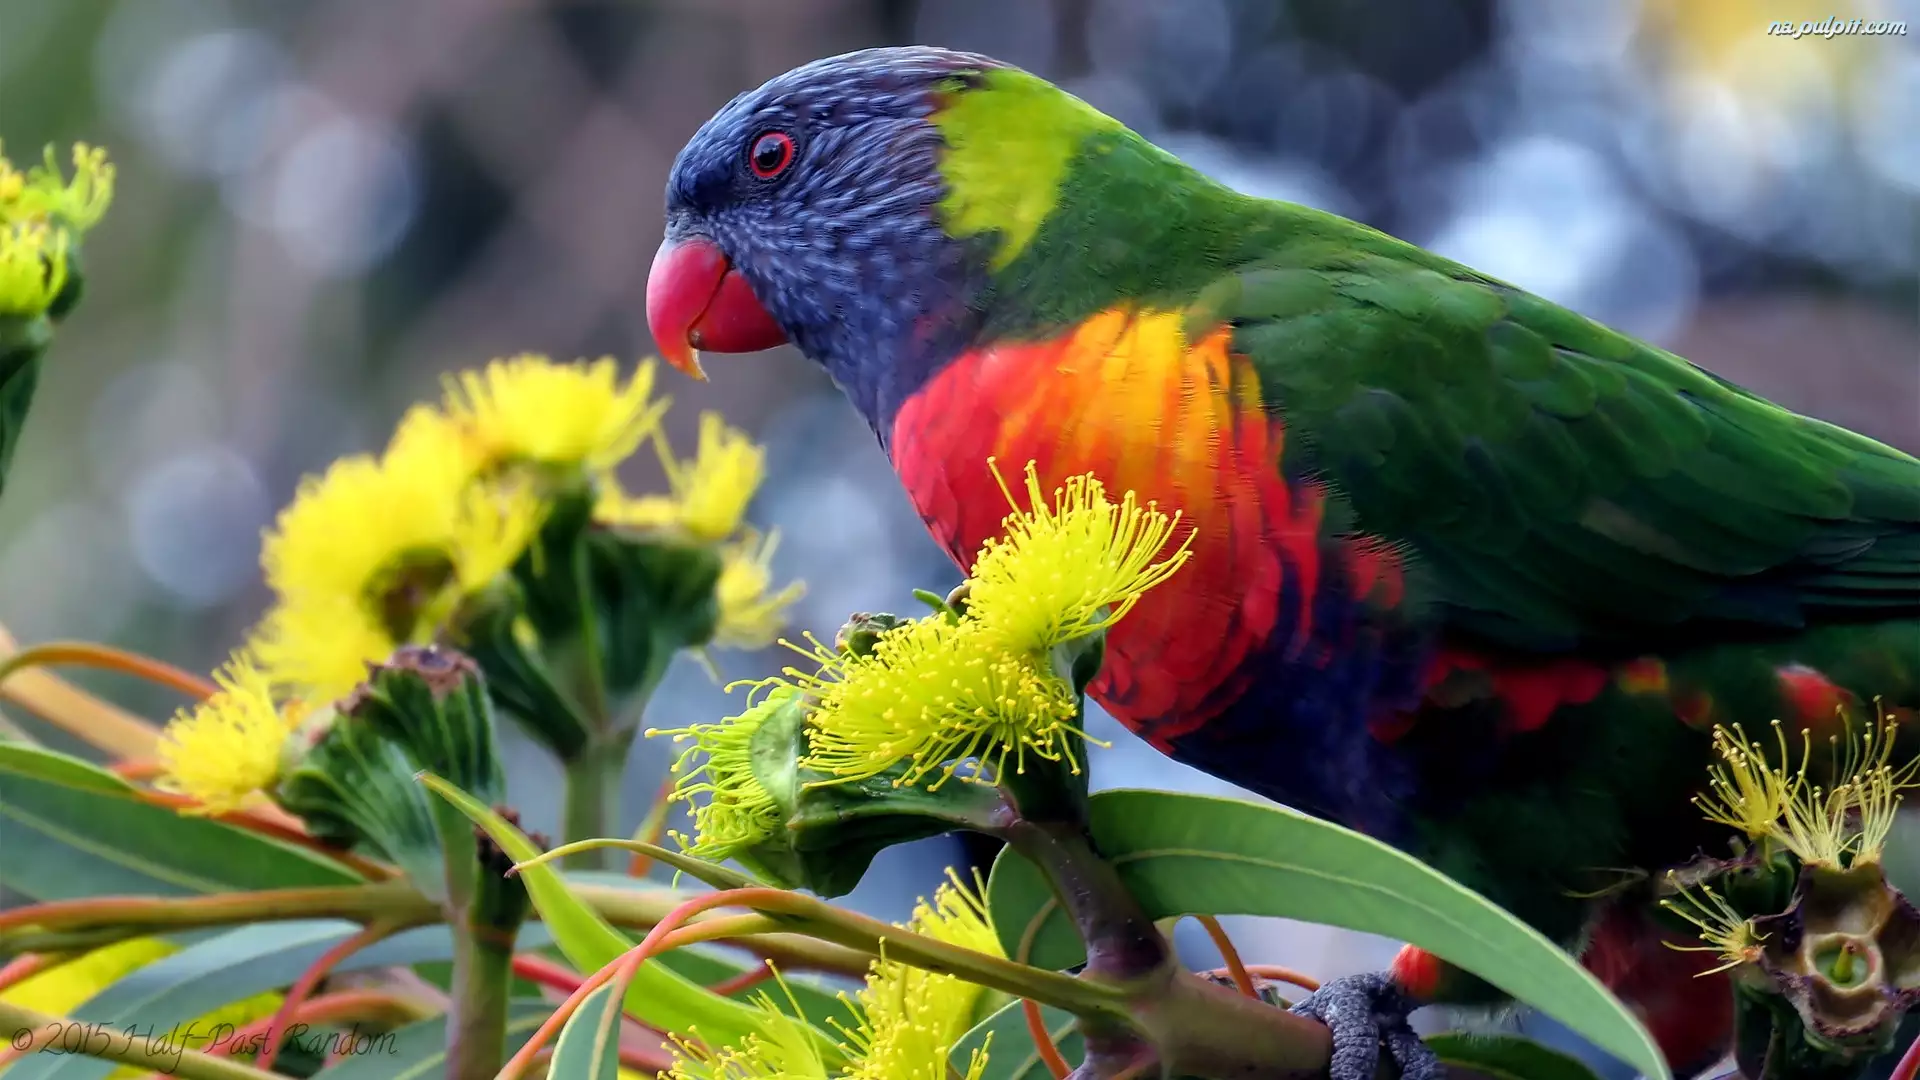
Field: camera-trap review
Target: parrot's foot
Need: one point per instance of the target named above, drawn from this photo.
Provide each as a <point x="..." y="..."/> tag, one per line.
<point x="1365" y="1013"/>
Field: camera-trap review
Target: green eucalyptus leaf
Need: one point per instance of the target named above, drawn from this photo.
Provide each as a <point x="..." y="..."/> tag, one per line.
<point x="60" y="768"/>
<point x="664" y="999"/>
<point x="1011" y="1054"/>
<point x="1200" y="855"/>
<point x="589" y="1043"/>
<point x="1507" y="1057"/>
<point x="73" y="831"/>
<point x="419" y="1050"/>
<point x="230" y="967"/>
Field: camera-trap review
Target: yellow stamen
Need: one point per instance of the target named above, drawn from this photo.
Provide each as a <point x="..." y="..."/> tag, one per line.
<point x="737" y="812"/>
<point x="911" y="1019"/>
<point x="527" y="408"/>
<point x="936" y="693"/>
<point x="1725" y="931"/>
<point x="227" y="747"/>
<point x="1064" y="570"/>
<point x="750" y="615"/>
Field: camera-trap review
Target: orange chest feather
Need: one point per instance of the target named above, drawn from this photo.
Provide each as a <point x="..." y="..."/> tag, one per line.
<point x="1127" y="396"/>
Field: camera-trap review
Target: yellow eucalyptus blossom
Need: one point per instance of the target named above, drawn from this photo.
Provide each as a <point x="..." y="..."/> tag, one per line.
<point x="1847" y="820"/>
<point x="782" y="1049"/>
<point x="710" y="492"/>
<point x="41" y="215"/>
<point x="1872" y="785"/>
<point x="33" y="267"/>
<point x="735" y="811"/>
<point x="528" y="408"/>
<point x="227" y="747"/>
<point x="910" y="1019"/>
<point x="41" y="194"/>
<point x="1063" y="570"/>
<point x="1745" y="791"/>
<point x="1726" y="932"/>
<point x="934" y="693"/>
<point x="376" y="552"/>
<point x="750" y="615"/>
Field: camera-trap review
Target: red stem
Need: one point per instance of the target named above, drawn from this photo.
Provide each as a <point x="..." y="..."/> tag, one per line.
<point x="538" y="969"/>
<point x="1230" y="954"/>
<point x="1909" y="1066"/>
<point x="303" y="988"/>
<point x="624" y="968"/>
<point x="746" y="980"/>
<point x="26" y="967"/>
<point x="108" y="658"/>
<point x="1043" y="1041"/>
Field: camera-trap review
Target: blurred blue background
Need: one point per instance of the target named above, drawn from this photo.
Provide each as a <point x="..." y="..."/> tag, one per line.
<point x="323" y="207"/>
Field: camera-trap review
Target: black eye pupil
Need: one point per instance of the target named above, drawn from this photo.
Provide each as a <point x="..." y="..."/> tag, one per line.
<point x="770" y="153"/>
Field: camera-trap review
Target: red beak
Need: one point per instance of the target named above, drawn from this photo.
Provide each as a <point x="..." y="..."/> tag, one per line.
<point x="697" y="300"/>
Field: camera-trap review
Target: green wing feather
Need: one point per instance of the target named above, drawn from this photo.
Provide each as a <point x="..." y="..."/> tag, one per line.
<point x="1560" y="484"/>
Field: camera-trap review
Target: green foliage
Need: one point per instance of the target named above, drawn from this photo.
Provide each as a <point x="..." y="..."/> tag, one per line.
<point x="1199" y="855"/>
<point x="419" y="1051"/>
<point x="73" y="831"/>
<point x="589" y="1046"/>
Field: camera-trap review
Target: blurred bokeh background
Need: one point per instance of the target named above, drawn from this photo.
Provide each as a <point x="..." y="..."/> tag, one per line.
<point x="324" y="206"/>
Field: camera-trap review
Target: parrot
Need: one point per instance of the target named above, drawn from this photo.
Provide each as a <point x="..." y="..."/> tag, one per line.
<point x="1471" y="573"/>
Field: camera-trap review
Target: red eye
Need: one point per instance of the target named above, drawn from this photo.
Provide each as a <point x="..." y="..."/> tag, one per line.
<point x="772" y="153"/>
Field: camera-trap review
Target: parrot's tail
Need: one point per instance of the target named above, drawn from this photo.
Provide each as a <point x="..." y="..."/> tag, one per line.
<point x="1688" y="1012"/>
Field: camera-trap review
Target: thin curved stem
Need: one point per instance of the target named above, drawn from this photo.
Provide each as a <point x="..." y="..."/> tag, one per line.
<point x="1231" y="955"/>
<point x="108" y="658"/>
<point x="1909" y="1066"/>
<point x="22" y="968"/>
<point x="303" y="987"/>
<point x="392" y="902"/>
<point x="746" y="980"/>
<point x="1043" y="1043"/>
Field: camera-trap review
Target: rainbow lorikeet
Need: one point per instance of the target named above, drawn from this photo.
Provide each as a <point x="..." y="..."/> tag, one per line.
<point x="1472" y="573"/>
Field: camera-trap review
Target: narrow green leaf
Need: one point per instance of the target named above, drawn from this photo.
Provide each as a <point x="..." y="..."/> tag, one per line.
<point x="1507" y="1057"/>
<point x="589" y="1044"/>
<point x="419" y="1051"/>
<point x="1011" y="1054"/>
<point x="233" y="966"/>
<point x="1186" y="854"/>
<point x="661" y="997"/>
<point x="33" y="761"/>
<point x="73" y="831"/>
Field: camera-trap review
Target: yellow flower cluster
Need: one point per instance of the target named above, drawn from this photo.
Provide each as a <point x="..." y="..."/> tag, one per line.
<point x="911" y="1019"/>
<point x="1727" y="933"/>
<point x="707" y="502"/>
<point x="376" y="552"/>
<point x="1820" y="825"/>
<point x="941" y="692"/>
<point x="908" y="1020"/>
<point x="228" y="747"/>
<point x="380" y="550"/>
<point x="41" y="215"/>
<point x="946" y="693"/>
<point x="737" y="812"/>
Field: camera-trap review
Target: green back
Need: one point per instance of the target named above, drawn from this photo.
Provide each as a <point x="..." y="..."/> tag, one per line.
<point x="1555" y="484"/>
